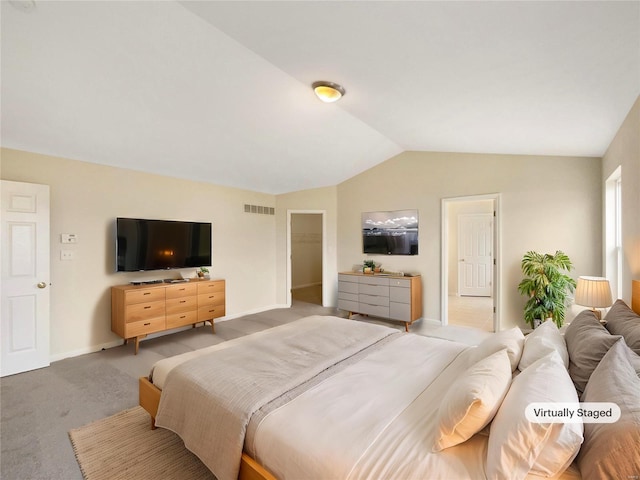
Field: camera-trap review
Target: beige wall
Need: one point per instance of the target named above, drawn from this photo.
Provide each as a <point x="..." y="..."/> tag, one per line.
<point x="315" y="200"/>
<point x="625" y="151"/>
<point x="86" y="199"/>
<point x="547" y="203"/>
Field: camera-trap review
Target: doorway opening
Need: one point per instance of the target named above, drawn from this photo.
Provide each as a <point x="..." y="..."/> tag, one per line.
<point x="470" y="256"/>
<point x="306" y="253"/>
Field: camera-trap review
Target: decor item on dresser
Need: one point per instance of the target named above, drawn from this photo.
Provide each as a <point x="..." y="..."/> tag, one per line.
<point x="138" y="310"/>
<point x="390" y="233"/>
<point x="547" y="286"/>
<point x="384" y="296"/>
<point x="202" y="272"/>
<point x="368" y="266"/>
<point x="593" y="292"/>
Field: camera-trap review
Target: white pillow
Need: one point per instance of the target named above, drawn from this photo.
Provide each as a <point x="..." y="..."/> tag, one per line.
<point x="541" y="342"/>
<point x="517" y="446"/>
<point x="472" y="400"/>
<point x="512" y="340"/>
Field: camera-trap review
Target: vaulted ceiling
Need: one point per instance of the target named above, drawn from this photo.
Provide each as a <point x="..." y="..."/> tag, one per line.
<point x="220" y="91"/>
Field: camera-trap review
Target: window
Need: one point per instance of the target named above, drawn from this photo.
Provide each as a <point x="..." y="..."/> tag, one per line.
<point x="613" y="232"/>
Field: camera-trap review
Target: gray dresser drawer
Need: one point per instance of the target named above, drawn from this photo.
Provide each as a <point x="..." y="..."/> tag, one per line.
<point x="400" y="282"/>
<point x="374" y="280"/>
<point x="348" y="287"/>
<point x="373" y="289"/>
<point x="342" y="277"/>
<point x="373" y="300"/>
<point x="353" y="297"/>
<point x="348" y="305"/>
<point x="375" y="310"/>
<point x="400" y="294"/>
<point x="400" y="311"/>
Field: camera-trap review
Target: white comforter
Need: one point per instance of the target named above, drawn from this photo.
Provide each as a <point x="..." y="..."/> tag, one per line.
<point x="371" y="420"/>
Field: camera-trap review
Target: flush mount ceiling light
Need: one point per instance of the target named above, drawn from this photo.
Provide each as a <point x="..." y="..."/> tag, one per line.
<point x="328" y="92"/>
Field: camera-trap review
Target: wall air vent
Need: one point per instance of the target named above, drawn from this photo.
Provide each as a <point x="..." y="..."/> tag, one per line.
<point x="259" y="209"/>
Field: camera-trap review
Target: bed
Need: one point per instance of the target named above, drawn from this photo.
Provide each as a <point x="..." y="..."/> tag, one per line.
<point x="326" y="397"/>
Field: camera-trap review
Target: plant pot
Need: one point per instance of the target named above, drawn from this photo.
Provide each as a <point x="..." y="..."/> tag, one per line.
<point x="536" y="323"/>
<point x="366" y="270"/>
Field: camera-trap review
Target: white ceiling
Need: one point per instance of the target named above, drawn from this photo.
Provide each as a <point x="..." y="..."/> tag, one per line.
<point x="220" y="91"/>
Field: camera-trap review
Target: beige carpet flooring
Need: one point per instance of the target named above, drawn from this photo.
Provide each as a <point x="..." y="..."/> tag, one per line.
<point x="123" y="447"/>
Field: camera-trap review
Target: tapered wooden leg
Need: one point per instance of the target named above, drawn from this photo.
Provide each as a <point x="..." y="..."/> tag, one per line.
<point x="153" y="423"/>
<point x="137" y="344"/>
<point x="406" y="326"/>
<point x="213" y="327"/>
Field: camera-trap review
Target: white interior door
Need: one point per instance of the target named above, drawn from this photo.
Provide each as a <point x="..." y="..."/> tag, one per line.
<point x="25" y="277"/>
<point x="475" y="260"/>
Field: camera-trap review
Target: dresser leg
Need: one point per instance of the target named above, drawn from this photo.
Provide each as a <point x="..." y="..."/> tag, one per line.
<point x="406" y="326"/>
<point x="137" y="344"/>
<point x="213" y="327"/>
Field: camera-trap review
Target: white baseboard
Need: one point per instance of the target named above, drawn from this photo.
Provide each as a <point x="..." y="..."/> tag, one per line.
<point x="83" y="351"/>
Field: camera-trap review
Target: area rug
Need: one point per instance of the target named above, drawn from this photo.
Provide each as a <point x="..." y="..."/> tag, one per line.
<point x="123" y="447"/>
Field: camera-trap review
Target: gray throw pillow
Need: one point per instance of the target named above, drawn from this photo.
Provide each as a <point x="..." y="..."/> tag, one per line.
<point x="621" y="320"/>
<point x="612" y="450"/>
<point x="587" y="342"/>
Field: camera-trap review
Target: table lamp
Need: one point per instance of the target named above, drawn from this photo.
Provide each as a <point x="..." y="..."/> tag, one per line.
<point x="594" y="292"/>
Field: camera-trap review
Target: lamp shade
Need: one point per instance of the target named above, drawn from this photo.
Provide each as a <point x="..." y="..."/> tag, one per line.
<point x="593" y="292"/>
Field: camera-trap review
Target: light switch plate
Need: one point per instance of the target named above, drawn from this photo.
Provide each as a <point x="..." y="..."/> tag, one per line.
<point x="68" y="238"/>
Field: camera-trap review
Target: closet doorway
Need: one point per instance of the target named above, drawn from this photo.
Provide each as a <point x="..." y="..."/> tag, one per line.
<point x="469" y="261"/>
<point x="306" y="253"/>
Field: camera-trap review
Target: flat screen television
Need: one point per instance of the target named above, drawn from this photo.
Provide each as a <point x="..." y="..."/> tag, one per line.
<point x="390" y="233"/>
<point x="161" y="244"/>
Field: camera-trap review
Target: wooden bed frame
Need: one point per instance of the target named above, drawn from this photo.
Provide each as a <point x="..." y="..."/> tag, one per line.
<point x="149" y="397"/>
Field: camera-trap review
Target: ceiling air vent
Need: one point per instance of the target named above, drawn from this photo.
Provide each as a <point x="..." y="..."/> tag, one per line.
<point x="259" y="209"/>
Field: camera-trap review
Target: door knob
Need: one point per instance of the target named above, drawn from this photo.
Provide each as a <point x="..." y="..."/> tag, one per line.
<point x="42" y="285"/>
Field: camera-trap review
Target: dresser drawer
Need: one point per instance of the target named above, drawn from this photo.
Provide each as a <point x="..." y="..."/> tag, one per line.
<point x="348" y="305"/>
<point x="211" y="298"/>
<point x="142" y="311"/>
<point x="210" y="312"/>
<point x="373" y="280"/>
<point x="181" y="319"/>
<point x="342" y="277"/>
<point x="181" y="290"/>
<point x="352" y="297"/>
<point x="141" y="296"/>
<point x="183" y="304"/>
<point x="400" y="311"/>
<point x="367" y="289"/>
<point x="350" y="287"/>
<point x="400" y="294"/>
<point x="208" y="287"/>
<point x="373" y="300"/>
<point x="375" y="310"/>
<point x="400" y="282"/>
<point x="143" y="327"/>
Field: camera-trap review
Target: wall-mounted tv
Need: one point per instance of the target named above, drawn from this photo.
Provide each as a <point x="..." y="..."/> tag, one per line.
<point x="161" y="244"/>
<point x="390" y="233"/>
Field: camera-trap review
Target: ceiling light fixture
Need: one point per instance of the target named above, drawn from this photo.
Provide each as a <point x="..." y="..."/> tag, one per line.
<point x="328" y="92"/>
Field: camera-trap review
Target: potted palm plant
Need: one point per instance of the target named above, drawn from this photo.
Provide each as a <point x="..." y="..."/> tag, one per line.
<point x="547" y="285"/>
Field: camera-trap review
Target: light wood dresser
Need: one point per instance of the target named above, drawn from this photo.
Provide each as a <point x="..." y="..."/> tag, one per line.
<point x="384" y="296"/>
<point x="138" y="310"/>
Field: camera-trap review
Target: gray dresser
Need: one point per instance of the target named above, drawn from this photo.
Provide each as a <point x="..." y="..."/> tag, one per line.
<point x="383" y="296"/>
